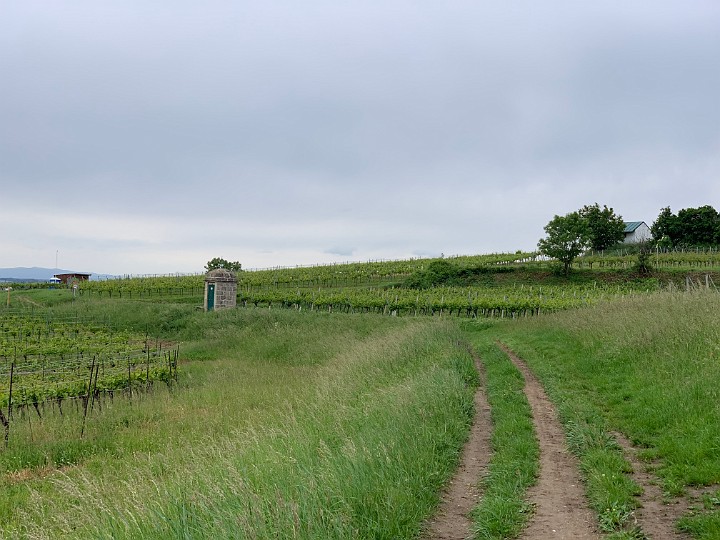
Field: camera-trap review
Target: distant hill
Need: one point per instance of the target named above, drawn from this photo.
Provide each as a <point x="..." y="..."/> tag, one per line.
<point x="36" y="274"/>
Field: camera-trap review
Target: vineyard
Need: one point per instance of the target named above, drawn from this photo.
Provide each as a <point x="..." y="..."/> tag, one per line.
<point x="336" y="275"/>
<point x="376" y="287"/>
<point x="43" y="360"/>
<point x="470" y="301"/>
<point x="518" y="301"/>
<point x="376" y="274"/>
<point x="691" y="260"/>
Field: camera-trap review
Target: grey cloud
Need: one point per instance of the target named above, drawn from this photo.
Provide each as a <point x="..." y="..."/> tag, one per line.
<point x="341" y="251"/>
<point x="394" y="127"/>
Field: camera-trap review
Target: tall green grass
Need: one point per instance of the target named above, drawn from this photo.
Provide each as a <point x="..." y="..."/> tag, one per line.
<point x="648" y="367"/>
<point x="285" y="425"/>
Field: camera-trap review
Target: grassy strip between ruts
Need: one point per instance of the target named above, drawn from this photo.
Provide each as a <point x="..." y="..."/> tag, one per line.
<point x="647" y="367"/>
<point x="610" y="491"/>
<point x="503" y="510"/>
<point x="358" y="450"/>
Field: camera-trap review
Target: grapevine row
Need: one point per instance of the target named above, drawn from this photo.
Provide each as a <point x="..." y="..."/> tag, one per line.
<point x="328" y="275"/>
<point x="461" y="301"/>
<point x="44" y="359"/>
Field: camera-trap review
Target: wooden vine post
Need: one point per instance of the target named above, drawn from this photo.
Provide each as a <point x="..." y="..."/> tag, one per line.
<point x="10" y="392"/>
<point x="3" y="419"/>
<point x="6" y="426"/>
<point x="87" y="398"/>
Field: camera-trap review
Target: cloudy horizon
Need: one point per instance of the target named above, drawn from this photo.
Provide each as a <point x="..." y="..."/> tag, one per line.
<point x="140" y="138"/>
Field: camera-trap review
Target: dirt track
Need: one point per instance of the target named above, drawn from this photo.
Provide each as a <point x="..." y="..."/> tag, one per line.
<point x="656" y="516"/>
<point x="452" y="521"/>
<point x="561" y="509"/>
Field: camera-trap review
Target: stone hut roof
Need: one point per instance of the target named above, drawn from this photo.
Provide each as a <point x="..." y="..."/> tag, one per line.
<point x="220" y="274"/>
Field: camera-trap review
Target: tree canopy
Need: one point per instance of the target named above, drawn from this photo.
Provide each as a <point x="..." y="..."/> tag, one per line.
<point x="689" y="227"/>
<point x="567" y="237"/>
<point x="604" y="227"/>
<point x="217" y="262"/>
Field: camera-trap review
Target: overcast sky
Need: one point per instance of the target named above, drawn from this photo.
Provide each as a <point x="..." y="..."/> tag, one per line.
<point x="149" y="137"/>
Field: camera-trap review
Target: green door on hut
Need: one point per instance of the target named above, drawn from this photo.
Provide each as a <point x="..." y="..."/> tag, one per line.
<point x="211" y="297"/>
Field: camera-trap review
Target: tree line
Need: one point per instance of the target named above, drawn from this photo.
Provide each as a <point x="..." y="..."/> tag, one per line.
<point x="689" y="227"/>
<point x="592" y="227"/>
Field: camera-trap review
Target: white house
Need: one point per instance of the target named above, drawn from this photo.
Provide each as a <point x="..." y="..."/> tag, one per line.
<point x="636" y="232"/>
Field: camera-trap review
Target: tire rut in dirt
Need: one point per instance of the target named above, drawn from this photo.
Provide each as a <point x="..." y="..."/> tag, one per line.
<point x="561" y="509"/>
<point x="655" y="517"/>
<point x="452" y="521"/>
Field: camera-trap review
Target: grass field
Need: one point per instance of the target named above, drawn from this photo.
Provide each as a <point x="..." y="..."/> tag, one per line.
<point x="648" y="367"/>
<point x="285" y="424"/>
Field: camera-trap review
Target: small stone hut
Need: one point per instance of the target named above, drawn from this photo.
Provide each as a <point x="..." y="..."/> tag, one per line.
<point x="220" y="289"/>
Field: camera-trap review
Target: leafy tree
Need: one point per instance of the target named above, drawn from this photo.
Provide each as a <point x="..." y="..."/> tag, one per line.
<point x="567" y="237"/>
<point x="605" y="228"/>
<point x="217" y="262"/>
<point x="700" y="226"/>
<point x="690" y="227"/>
<point x="665" y="228"/>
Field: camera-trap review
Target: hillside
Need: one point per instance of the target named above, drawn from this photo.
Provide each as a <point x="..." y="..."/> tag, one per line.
<point x="29" y="275"/>
<point x="37" y="274"/>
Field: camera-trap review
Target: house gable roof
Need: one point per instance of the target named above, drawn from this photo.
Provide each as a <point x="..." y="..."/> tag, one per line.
<point x="631" y="226"/>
